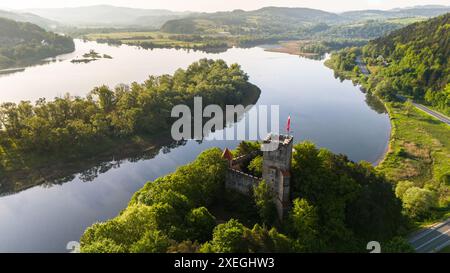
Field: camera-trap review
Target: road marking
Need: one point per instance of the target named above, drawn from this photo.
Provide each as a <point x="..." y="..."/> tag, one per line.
<point x="432" y="113"/>
<point x="435" y="238"/>
<point x="441" y="246"/>
<point x="428" y="230"/>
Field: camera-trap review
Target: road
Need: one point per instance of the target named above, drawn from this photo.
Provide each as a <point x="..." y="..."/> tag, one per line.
<point x="363" y="67"/>
<point x="432" y="113"/>
<point x="432" y="239"/>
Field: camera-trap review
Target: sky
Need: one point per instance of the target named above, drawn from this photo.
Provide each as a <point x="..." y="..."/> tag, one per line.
<point x="222" y="5"/>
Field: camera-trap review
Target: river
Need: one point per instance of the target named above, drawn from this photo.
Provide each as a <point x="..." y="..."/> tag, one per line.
<point x="44" y="218"/>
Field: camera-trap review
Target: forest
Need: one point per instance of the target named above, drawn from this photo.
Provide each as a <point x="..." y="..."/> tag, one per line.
<point x="335" y="208"/>
<point x="72" y="127"/>
<point x="22" y="43"/>
<point x="411" y="62"/>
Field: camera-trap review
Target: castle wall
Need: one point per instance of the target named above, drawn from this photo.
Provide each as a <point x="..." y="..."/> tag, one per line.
<point x="240" y="181"/>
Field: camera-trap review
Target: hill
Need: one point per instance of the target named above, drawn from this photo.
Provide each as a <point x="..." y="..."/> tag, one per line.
<point x="22" y="43"/>
<point x="110" y="16"/>
<point x="337" y="206"/>
<point x="416" y="61"/>
<point x="29" y="18"/>
<point x="269" y="20"/>
<point x="416" y="11"/>
<point x="301" y="23"/>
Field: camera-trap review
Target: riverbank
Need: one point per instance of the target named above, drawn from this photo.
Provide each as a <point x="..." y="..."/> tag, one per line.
<point x="151" y="40"/>
<point x="293" y="48"/>
<point x="419" y="148"/>
<point x="419" y="152"/>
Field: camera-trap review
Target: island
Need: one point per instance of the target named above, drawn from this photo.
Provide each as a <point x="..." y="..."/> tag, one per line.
<point x="51" y="137"/>
<point x="91" y="56"/>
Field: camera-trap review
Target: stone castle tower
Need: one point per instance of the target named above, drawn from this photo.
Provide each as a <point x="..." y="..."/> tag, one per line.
<point x="277" y="161"/>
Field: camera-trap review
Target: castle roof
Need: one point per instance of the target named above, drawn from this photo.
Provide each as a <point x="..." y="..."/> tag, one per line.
<point x="227" y="154"/>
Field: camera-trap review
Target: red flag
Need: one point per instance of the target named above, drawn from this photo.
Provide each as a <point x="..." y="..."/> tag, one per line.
<point x="288" y="125"/>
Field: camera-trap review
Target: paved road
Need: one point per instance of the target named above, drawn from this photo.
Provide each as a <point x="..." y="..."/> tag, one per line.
<point x="432" y="113"/>
<point x="432" y="239"/>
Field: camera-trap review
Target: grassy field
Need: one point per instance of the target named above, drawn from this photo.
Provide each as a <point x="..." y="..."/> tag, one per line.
<point x="160" y="39"/>
<point x="419" y="152"/>
<point x="407" y="20"/>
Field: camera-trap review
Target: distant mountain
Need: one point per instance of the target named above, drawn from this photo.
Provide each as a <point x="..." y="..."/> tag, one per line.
<point x="263" y="21"/>
<point x="23" y="43"/>
<point x="29" y="18"/>
<point x="417" y="11"/>
<point x="108" y="16"/>
<point x="281" y="21"/>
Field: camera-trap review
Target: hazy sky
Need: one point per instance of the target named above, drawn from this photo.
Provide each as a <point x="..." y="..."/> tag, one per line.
<point x="215" y="5"/>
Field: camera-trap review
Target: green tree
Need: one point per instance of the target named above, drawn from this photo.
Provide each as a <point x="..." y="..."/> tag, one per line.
<point x="304" y="224"/>
<point x="200" y="224"/>
<point x="227" y="238"/>
<point x="402" y="187"/>
<point x="256" y="166"/>
<point x="153" y="241"/>
<point x="397" y="245"/>
<point x="264" y="196"/>
<point x="418" y="202"/>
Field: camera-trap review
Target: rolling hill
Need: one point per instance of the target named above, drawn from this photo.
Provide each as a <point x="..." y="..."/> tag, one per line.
<point x="108" y="16"/>
<point x="416" y="11"/>
<point x="302" y="22"/>
<point x="29" y="18"/>
<point x="416" y="61"/>
<point x="263" y="21"/>
<point x="22" y="43"/>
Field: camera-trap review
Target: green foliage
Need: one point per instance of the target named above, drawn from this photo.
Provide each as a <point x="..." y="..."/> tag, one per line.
<point x="151" y="221"/>
<point x="336" y="207"/>
<point x="346" y="196"/>
<point x="153" y="241"/>
<point x="247" y="147"/>
<point x="74" y="127"/>
<point x="233" y="237"/>
<point x="402" y="187"/>
<point x="200" y="224"/>
<point x="264" y="196"/>
<point x="25" y="42"/>
<point x="397" y="245"/>
<point x="304" y="224"/>
<point x="227" y="238"/>
<point x="416" y="61"/>
<point x="256" y="165"/>
<point x="418" y="202"/>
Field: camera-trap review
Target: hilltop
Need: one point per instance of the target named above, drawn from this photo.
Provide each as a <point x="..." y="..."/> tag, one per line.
<point x="108" y="16"/>
<point x="22" y="43"/>
<point x="29" y="18"/>
<point x="415" y="61"/>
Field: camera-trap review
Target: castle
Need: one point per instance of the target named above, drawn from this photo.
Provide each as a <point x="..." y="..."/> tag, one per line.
<point x="276" y="171"/>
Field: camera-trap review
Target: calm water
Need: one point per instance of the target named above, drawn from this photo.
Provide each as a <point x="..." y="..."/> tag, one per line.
<point x="331" y="113"/>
